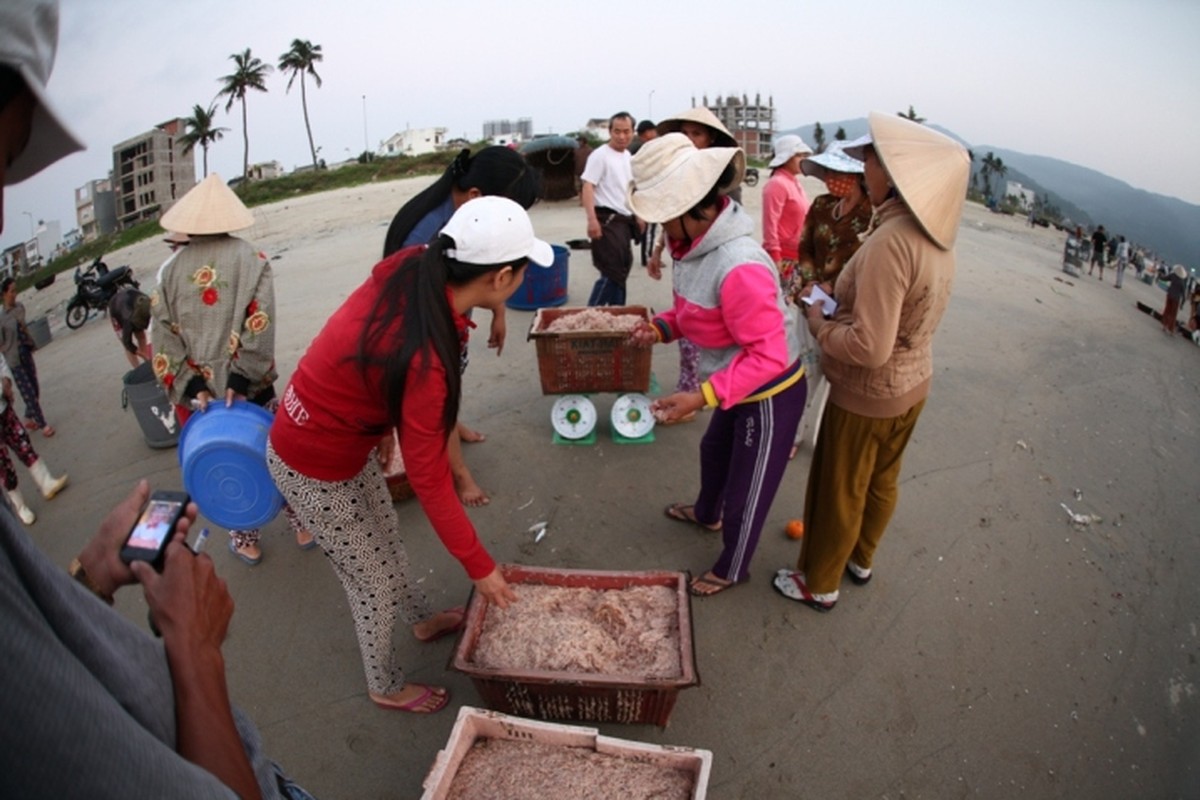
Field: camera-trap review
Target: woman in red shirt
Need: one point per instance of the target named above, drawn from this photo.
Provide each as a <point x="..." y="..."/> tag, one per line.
<point x="389" y="359"/>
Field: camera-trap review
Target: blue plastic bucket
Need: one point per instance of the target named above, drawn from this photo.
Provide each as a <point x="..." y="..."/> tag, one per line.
<point x="543" y="286"/>
<point x="223" y="457"/>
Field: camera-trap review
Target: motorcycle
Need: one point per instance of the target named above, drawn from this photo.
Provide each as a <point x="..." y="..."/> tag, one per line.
<point x="751" y="176"/>
<point x="94" y="287"/>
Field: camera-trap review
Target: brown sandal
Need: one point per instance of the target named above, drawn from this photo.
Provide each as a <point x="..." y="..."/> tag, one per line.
<point x="708" y="584"/>
<point x="682" y="512"/>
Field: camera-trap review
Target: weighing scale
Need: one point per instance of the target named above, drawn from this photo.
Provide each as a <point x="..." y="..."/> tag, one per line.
<point x="574" y="418"/>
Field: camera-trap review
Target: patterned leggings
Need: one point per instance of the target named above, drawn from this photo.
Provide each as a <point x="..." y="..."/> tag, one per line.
<point x="356" y="526"/>
<point x="14" y="436"/>
<point x="25" y="376"/>
<point x="689" y="367"/>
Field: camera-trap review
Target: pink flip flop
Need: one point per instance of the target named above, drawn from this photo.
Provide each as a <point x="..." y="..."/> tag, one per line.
<point x="416" y="705"/>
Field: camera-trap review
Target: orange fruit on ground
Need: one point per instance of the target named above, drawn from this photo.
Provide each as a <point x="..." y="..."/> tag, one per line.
<point x="794" y="529"/>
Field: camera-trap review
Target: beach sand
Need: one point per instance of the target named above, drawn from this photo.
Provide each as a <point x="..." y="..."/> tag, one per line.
<point x="999" y="651"/>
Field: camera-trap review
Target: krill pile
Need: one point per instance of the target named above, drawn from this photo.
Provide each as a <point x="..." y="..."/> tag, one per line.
<point x="593" y="320"/>
<point x="501" y="769"/>
<point x="633" y="631"/>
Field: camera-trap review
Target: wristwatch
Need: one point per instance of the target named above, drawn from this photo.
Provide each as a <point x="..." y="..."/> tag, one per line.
<point x="76" y="571"/>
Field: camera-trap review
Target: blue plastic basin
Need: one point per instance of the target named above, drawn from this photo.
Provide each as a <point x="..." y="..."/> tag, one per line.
<point x="543" y="286"/>
<point x="223" y="457"/>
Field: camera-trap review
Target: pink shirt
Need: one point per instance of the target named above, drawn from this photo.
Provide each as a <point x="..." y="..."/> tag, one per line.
<point x="784" y="207"/>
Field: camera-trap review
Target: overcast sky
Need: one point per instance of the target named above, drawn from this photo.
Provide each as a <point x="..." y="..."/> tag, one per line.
<point x="1107" y="84"/>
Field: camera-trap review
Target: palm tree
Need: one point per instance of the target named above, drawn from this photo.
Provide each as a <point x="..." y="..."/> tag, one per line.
<point x="911" y="115"/>
<point x="299" y="60"/>
<point x="989" y="166"/>
<point x="251" y="73"/>
<point x="200" y="130"/>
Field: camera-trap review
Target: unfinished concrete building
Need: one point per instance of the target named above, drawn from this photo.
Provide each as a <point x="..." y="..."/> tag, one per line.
<point x="752" y="124"/>
<point x="95" y="209"/>
<point x="150" y="172"/>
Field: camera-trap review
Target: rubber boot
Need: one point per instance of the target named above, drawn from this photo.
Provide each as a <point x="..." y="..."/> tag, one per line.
<point x="49" y="484"/>
<point x="18" y="503"/>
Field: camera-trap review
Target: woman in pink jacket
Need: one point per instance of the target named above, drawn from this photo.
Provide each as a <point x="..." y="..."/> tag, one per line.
<point x="785" y="205"/>
<point x="728" y="301"/>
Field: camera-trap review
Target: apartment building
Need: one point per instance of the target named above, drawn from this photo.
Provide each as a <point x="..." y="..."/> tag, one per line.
<point x="95" y="209"/>
<point x="150" y="172"/>
<point x="523" y="128"/>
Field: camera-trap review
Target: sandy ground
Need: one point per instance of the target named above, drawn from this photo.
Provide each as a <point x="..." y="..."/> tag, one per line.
<point x="999" y="652"/>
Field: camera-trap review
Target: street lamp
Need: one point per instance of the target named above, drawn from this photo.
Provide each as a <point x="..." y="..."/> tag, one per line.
<point x="31" y="230"/>
<point x="650" y="106"/>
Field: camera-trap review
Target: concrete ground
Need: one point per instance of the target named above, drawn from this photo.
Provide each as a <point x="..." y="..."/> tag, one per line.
<point x="999" y="652"/>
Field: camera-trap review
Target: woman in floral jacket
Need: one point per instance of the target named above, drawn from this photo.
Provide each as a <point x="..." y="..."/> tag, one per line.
<point x="214" y="334"/>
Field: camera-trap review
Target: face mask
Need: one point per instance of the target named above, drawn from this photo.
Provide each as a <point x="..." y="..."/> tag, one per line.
<point x="840" y="184"/>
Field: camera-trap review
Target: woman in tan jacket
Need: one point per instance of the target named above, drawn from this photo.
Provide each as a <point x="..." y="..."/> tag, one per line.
<point x="876" y="351"/>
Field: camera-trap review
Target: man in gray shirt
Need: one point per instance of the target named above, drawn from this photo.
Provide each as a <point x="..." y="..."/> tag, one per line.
<point x="93" y="706"/>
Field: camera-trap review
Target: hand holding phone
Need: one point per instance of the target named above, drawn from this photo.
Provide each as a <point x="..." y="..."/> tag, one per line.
<point x="154" y="528"/>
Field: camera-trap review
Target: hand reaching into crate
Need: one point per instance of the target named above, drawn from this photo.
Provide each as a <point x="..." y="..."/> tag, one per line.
<point x="644" y="335"/>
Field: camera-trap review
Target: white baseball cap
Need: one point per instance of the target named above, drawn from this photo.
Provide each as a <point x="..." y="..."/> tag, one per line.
<point x="28" y="41"/>
<point x="494" y="230"/>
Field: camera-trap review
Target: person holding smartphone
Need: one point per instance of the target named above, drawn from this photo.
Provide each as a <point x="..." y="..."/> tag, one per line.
<point x="85" y="694"/>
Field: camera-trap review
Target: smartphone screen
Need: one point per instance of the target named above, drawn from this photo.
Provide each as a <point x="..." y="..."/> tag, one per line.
<point x="152" y="532"/>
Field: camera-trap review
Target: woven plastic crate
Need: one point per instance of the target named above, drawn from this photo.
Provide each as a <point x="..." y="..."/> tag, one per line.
<point x="586" y="697"/>
<point x="581" y="362"/>
<point x="474" y="724"/>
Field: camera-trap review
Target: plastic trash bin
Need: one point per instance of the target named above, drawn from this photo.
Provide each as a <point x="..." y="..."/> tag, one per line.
<point x="153" y="411"/>
<point x="39" y="329"/>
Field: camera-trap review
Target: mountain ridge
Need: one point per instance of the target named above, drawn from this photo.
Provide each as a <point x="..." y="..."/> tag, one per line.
<point x="1167" y="225"/>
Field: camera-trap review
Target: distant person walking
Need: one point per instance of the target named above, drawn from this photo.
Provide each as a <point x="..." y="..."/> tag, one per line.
<point x="610" y="225"/>
<point x="17" y="346"/>
<point x="1122" y="260"/>
<point x="1099" y="246"/>
<point x="1176" y="287"/>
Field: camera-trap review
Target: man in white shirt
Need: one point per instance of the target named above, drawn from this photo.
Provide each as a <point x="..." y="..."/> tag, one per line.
<point x="610" y="225"/>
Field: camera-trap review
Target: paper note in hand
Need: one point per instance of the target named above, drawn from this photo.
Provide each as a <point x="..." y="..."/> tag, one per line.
<point x="829" y="305"/>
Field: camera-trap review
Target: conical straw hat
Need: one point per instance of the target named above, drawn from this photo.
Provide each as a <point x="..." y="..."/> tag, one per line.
<point x="929" y="170"/>
<point x="210" y="207"/>
<point x="700" y="114"/>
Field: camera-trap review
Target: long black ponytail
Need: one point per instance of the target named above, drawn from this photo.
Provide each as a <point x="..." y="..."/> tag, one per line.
<point x="415" y="294"/>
